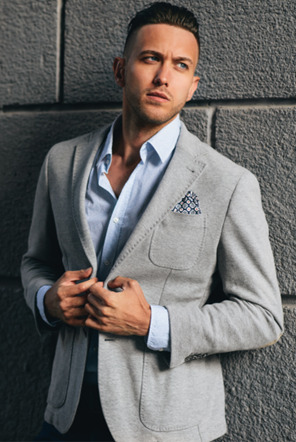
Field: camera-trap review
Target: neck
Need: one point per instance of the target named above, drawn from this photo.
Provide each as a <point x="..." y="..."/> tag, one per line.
<point x="126" y="145"/>
<point x="129" y="136"/>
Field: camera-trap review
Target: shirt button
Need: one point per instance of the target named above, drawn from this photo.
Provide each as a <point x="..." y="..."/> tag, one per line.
<point x="116" y="220"/>
<point x="106" y="262"/>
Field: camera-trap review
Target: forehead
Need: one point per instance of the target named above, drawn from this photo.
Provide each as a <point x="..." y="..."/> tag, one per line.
<point x="164" y="38"/>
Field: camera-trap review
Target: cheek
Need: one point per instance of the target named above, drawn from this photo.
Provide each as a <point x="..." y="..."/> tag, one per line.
<point x="181" y="92"/>
<point x="136" y="75"/>
<point x="133" y="85"/>
<point x="187" y="91"/>
<point x="142" y="76"/>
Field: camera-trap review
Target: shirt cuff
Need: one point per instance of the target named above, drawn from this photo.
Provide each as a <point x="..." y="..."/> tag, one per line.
<point x="40" y="305"/>
<point x="159" y="331"/>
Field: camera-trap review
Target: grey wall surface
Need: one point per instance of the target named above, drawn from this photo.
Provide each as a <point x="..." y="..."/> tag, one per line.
<point x="56" y="82"/>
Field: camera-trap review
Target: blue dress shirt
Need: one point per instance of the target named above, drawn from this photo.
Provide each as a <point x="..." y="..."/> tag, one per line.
<point x="111" y="220"/>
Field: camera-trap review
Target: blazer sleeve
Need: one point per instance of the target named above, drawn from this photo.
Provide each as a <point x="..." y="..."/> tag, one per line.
<point x="42" y="263"/>
<point x="251" y="316"/>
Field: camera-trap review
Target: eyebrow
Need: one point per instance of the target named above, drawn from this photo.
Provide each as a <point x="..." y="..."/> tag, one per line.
<point x="160" y="55"/>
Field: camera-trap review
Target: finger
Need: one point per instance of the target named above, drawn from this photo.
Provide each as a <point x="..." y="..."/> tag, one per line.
<point x="119" y="282"/>
<point x="77" y="275"/>
<point x="85" y="285"/>
<point x="99" y="291"/>
<point x="93" y="310"/>
<point x="77" y="313"/>
<point x="93" y="323"/>
<point x="97" y="284"/>
<point x="74" y="314"/>
<point x="65" y="290"/>
<point x="73" y="302"/>
<point x="96" y="306"/>
<point x="77" y="322"/>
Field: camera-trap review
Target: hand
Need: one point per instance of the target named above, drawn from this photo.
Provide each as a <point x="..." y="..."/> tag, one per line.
<point x="66" y="299"/>
<point x="122" y="313"/>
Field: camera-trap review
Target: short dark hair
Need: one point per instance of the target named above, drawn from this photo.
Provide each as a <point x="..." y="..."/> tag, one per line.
<point x="164" y="13"/>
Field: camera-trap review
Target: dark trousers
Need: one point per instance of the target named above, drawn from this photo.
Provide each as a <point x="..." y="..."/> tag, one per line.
<point x="89" y="423"/>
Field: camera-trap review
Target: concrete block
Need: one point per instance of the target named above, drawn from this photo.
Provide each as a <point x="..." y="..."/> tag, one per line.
<point x="261" y="390"/>
<point x="263" y="141"/>
<point x="28" y="51"/>
<point x="247" y="48"/>
<point x="93" y="37"/>
<point x="197" y="121"/>
<point x="25" y="139"/>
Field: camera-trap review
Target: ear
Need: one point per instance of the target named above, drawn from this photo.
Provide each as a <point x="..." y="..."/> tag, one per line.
<point x="193" y="88"/>
<point x="119" y="71"/>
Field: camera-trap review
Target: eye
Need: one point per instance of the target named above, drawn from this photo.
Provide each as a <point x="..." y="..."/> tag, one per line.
<point x="182" y="66"/>
<point x="150" y="58"/>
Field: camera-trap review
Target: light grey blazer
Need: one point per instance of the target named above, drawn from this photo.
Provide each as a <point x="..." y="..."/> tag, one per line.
<point x="179" y="260"/>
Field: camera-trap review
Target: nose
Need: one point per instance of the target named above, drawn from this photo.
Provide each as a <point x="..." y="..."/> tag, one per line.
<point x="161" y="76"/>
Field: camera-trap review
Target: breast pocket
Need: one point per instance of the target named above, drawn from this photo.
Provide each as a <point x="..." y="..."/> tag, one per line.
<point x="178" y="240"/>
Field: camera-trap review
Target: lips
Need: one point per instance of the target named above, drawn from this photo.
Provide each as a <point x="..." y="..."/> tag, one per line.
<point x="157" y="95"/>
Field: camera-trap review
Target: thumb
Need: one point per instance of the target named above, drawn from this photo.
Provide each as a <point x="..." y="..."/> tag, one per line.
<point x="77" y="275"/>
<point x="118" y="283"/>
<point x="84" y="273"/>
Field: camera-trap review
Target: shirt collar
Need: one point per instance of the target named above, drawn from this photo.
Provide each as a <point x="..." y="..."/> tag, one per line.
<point x="106" y="154"/>
<point x="163" y="143"/>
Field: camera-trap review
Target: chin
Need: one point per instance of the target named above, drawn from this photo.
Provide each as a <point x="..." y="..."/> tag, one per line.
<point x="156" y="118"/>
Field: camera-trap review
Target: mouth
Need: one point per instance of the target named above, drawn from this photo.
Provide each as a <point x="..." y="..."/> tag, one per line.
<point x="158" y="96"/>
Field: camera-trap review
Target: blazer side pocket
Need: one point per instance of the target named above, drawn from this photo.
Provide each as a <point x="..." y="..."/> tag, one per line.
<point x="61" y="368"/>
<point x="177" y="241"/>
<point x="173" y="399"/>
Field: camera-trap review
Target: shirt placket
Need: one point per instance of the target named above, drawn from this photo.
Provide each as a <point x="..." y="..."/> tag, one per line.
<point x="116" y="223"/>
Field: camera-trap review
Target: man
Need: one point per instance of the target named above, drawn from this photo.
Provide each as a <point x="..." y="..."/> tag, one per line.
<point x="135" y="230"/>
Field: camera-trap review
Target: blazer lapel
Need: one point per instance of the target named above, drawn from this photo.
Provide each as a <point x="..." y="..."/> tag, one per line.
<point x="84" y="156"/>
<point x="185" y="167"/>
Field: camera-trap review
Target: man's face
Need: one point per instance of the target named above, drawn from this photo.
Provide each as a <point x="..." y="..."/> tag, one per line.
<point x="157" y="74"/>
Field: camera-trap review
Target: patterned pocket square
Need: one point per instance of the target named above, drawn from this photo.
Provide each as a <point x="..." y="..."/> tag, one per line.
<point x="188" y="205"/>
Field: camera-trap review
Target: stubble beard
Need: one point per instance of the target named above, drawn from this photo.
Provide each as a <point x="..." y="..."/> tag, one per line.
<point x="149" y="117"/>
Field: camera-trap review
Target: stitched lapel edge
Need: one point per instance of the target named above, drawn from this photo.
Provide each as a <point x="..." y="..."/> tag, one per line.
<point x="83" y="159"/>
<point x="185" y="167"/>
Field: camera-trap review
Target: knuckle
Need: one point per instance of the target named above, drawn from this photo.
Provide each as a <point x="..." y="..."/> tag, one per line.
<point x="132" y="283"/>
<point x="81" y="300"/>
<point x="64" y="304"/>
<point x="103" y="312"/>
<point x="82" y="287"/>
<point x="60" y="298"/>
<point x="66" y="316"/>
<point x="103" y="322"/>
<point x="61" y="292"/>
<point x="109" y="302"/>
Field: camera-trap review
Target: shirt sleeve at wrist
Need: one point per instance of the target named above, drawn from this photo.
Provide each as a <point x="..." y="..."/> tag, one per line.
<point x="159" y="331"/>
<point x="40" y="305"/>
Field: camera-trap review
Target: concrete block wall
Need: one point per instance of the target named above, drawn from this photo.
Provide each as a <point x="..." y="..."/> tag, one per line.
<point x="56" y="82"/>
